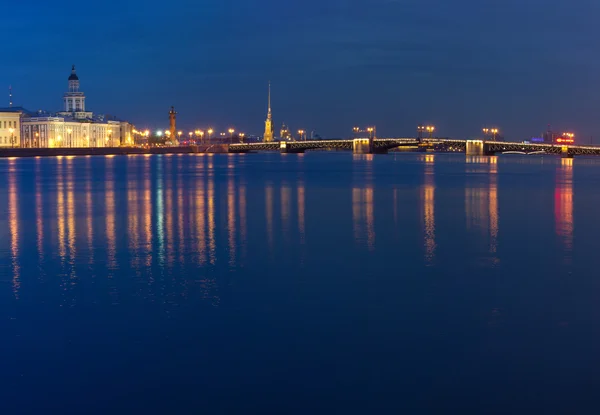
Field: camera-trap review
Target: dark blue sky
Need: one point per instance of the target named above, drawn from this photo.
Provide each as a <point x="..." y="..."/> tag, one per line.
<point x="461" y="64"/>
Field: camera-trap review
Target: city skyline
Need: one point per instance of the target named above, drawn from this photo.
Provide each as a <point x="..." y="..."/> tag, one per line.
<point x="383" y="63"/>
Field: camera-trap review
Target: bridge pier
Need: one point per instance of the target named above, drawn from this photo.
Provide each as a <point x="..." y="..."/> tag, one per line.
<point x="477" y="148"/>
<point x="284" y="148"/>
<point x="564" y="153"/>
<point x="362" y="146"/>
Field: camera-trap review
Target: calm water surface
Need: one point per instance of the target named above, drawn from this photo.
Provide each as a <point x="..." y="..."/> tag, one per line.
<point x="316" y="283"/>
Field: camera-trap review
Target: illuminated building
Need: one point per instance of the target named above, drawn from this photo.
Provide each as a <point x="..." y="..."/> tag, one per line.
<point x="268" y="136"/>
<point x="284" y="133"/>
<point x="74" y="126"/>
<point x="10" y="132"/>
<point x="550" y="137"/>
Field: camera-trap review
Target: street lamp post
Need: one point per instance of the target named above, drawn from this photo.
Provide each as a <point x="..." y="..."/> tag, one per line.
<point x="179" y="133"/>
<point x="494" y="131"/>
<point x="231" y="131"/>
<point x="370" y="130"/>
<point x="430" y="129"/>
<point x="37" y="140"/>
<point x="12" y="136"/>
<point x="301" y="135"/>
<point x="210" y="131"/>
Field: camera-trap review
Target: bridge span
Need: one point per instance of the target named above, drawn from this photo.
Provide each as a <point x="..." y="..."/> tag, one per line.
<point x="490" y="148"/>
<point x="359" y="145"/>
<point x="383" y="145"/>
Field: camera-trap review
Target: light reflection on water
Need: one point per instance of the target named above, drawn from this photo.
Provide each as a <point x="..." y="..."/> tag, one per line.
<point x="563" y="206"/>
<point x="167" y="217"/>
<point x="170" y="216"/>
<point x="13" y="219"/>
<point x="429" y="209"/>
<point x="481" y="202"/>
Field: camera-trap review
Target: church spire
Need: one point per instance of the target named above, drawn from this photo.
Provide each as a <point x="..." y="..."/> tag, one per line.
<point x="269" y="114"/>
<point x="268" y="136"/>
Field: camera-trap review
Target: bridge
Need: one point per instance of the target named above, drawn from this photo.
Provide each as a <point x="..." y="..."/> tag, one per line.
<point x="383" y="145"/>
<point x="490" y="148"/>
<point x="359" y="145"/>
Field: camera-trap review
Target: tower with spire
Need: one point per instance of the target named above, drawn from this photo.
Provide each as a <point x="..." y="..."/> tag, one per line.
<point x="74" y="100"/>
<point x="268" y="136"/>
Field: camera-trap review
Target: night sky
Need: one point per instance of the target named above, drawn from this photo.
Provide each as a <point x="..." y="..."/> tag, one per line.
<point x="461" y="65"/>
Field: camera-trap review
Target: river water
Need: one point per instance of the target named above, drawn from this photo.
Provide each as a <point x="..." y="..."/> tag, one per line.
<point x="311" y="283"/>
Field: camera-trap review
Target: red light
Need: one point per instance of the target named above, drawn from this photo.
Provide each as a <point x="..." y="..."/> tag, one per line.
<point x="565" y="140"/>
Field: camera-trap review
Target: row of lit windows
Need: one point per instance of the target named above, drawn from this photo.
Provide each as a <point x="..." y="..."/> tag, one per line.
<point x="11" y="124"/>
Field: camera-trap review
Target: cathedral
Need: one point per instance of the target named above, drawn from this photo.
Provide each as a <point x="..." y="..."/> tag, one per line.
<point x="268" y="136"/>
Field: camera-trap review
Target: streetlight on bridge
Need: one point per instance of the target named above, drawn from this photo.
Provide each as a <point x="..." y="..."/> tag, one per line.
<point x="430" y="129"/>
<point x="371" y="130"/>
<point x="494" y="131"/>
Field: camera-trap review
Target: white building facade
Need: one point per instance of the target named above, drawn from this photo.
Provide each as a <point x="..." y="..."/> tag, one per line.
<point x="74" y="126"/>
<point x="53" y="132"/>
<point x="10" y="133"/>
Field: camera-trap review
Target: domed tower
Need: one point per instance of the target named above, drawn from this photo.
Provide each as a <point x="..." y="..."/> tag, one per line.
<point x="74" y="100"/>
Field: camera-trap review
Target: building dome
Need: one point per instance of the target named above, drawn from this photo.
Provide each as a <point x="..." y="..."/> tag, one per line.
<point x="73" y="76"/>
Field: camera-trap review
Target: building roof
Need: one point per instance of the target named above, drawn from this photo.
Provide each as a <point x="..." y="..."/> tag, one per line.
<point x="73" y="76"/>
<point x="17" y="109"/>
